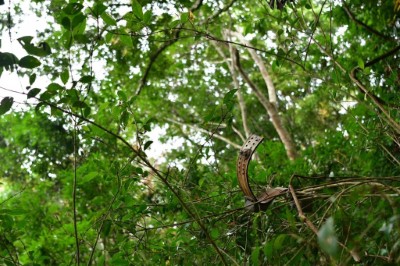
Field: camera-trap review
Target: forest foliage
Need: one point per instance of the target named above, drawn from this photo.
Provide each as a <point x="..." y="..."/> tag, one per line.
<point x="84" y="178"/>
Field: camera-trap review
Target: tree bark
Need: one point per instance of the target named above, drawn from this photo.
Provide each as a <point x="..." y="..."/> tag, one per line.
<point x="214" y="135"/>
<point x="259" y="62"/>
<point x="272" y="111"/>
<point x="236" y="84"/>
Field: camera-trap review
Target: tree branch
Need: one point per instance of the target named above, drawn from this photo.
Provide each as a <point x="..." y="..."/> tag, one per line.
<point x="74" y="196"/>
<point x="241" y="101"/>
<point x="239" y="95"/>
<point x="261" y="66"/>
<point x="312" y="227"/>
<point x="210" y="37"/>
<point x="154" y="56"/>
<point x="147" y="163"/>
<point x="217" y="136"/>
<point x="272" y="112"/>
<point x="365" y="26"/>
<point x="219" y="12"/>
<point x="376" y="100"/>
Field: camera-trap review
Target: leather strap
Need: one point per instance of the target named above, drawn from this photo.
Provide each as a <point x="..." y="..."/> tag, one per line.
<point x="252" y="202"/>
<point x="242" y="165"/>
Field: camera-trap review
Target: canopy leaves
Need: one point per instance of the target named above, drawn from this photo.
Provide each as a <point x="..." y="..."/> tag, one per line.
<point x="122" y="147"/>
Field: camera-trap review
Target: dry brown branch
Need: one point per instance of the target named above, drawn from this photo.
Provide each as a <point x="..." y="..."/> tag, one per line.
<point x="155" y="55"/>
<point x="148" y="164"/>
<point x="302" y="217"/>
<point x="219" y="12"/>
<point x="239" y="95"/>
<point x="238" y="133"/>
<point x="356" y="257"/>
<point x="272" y="112"/>
<point x="217" y="136"/>
<point x="261" y="66"/>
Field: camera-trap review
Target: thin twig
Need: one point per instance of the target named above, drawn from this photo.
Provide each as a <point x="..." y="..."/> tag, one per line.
<point x="302" y="217"/>
<point x="74" y="196"/>
<point x="217" y="136"/>
<point x="154" y="56"/>
<point x="144" y="159"/>
<point x="219" y="12"/>
<point x="102" y="221"/>
<point x="377" y="102"/>
<point x="12" y="196"/>
<point x="272" y="112"/>
<point x="242" y="104"/>
<point x="368" y="28"/>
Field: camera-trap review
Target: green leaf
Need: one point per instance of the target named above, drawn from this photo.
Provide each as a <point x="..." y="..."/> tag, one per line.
<point x="151" y="120"/>
<point x="269" y="249"/>
<point x="147" y="127"/>
<point x="147" y="17"/>
<point x="98" y="9"/>
<point x="86" y="79"/>
<point x="174" y="23"/>
<point x="64" y="76"/>
<point x="327" y="237"/>
<point x="87" y="178"/>
<point x="66" y="23"/>
<point x="215" y="233"/>
<point x="45" y="96"/>
<point x="276" y="65"/>
<point x="14" y="211"/>
<point x="79" y="28"/>
<point x="106" y="228"/>
<point x="6" y="105"/>
<point x="126" y="40"/>
<point x="54" y="111"/>
<point x="147" y="144"/>
<point x="54" y="87"/>
<point x="33" y="92"/>
<point x="43" y="49"/>
<point x="78" y="19"/>
<point x="7" y="221"/>
<point x="279" y="241"/>
<point x="211" y="116"/>
<point x="72" y="8"/>
<point x="79" y="104"/>
<point x="124" y="118"/>
<point x="108" y="19"/>
<point x="8" y="60"/>
<point x="137" y="9"/>
<point x="86" y="111"/>
<point x="184" y="17"/>
<point x="81" y="38"/>
<point x="72" y="95"/>
<point x="255" y="254"/>
<point x="109" y="36"/>
<point x="25" y="40"/>
<point x="29" y="62"/>
<point x="32" y="79"/>
<point x="38" y="106"/>
<point x="138" y="170"/>
<point x="360" y="63"/>
<point x="122" y="96"/>
<point x="229" y="96"/>
<point x="118" y="260"/>
<point x="67" y="39"/>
